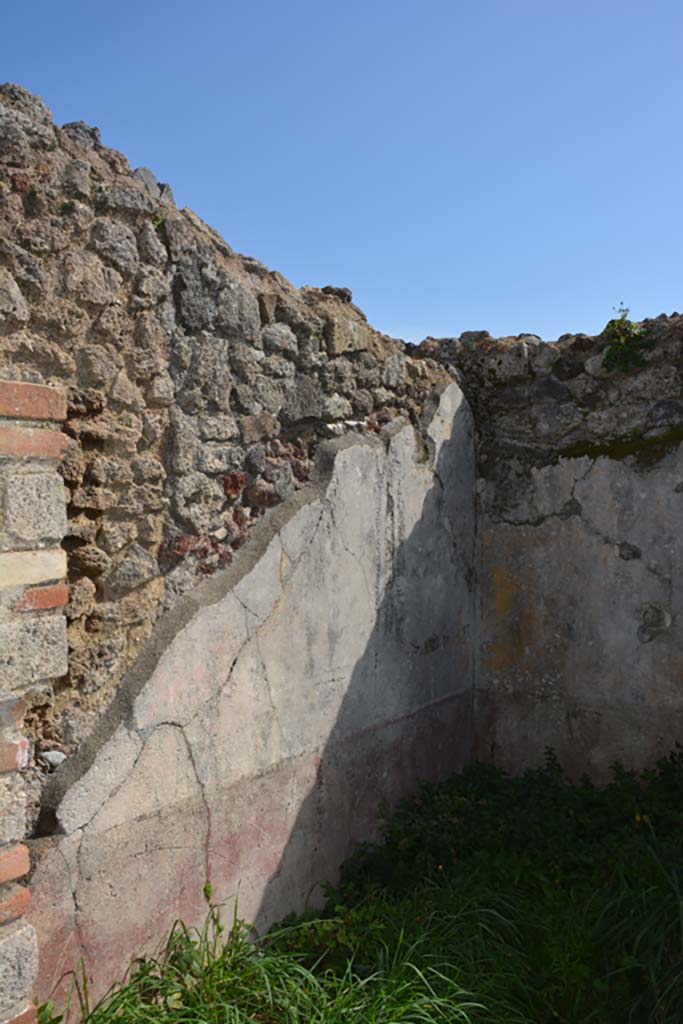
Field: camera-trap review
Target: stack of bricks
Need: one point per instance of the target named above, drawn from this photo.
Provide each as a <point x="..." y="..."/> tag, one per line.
<point x="33" y="646"/>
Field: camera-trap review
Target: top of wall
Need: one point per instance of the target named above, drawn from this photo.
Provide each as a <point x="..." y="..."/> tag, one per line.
<point x="537" y="401"/>
<point x="199" y="383"/>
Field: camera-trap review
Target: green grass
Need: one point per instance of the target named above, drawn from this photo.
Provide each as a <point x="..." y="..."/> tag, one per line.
<point x="490" y="900"/>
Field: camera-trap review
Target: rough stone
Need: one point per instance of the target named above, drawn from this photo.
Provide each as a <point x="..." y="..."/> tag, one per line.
<point x="13" y="308"/>
<point x="279" y="338"/>
<point x="18" y="967"/>
<point x="131" y="571"/>
<point x="344" y="335"/>
<point x="117" y="244"/>
<point x="33" y="509"/>
<point x="32" y="649"/>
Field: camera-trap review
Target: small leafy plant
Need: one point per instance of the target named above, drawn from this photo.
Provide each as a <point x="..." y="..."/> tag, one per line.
<point x="626" y="342"/>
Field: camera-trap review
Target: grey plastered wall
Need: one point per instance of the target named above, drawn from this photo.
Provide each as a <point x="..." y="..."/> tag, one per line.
<point x="581" y="609"/>
<point x="331" y="668"/>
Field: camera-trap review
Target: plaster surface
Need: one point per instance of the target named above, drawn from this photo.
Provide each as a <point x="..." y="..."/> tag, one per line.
<point x="581" y="600"/>
<point x="252" y="748"/>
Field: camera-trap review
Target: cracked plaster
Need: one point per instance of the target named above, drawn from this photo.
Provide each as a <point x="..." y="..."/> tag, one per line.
<point x="253" y="743"/>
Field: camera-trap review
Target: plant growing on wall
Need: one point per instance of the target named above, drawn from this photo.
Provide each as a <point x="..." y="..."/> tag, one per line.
<point x="626" y="342"/>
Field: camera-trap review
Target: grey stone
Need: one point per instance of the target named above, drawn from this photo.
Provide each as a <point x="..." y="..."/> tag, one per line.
<point x="214" y="459"/>
<point x="279" y="338"/>
<point x="269" y="396"/>
<point x="125" y="198"/>
<point x="393" y="372"/>
<point x="197" y="501"/>
<point x="12" y="810"/>
<point x="184" y="442"/>
<point x="345" y="335"/>
<point x="76" y="179"/>
<point x="218" y="428"/>
<point x="256" y="458"/>
<point x="148" y="179"/>
<point x="33" y="509"/>
<point x="335" y="407"/>
<point x="115" y="243"/>
<point x="113" y="536"/>
<point x="31" y="649"/>
<point x="207" y="379"/>
<point x="150" y="246"/>
<point x="53" y="758"/>
<point x="125" y="393"/>
<point x="280" y="476"/>
<point x="245" y="361"/>
<point x="83" y="134"/>
<point x="304" y="401"/>
<point x="13" y="308"/>
<point x="208" y="300"/>
<point x="18" y="967"/>
<point x="151" y="287"/>
<point x="130" y="571"/>
<point x="161" y="390"/>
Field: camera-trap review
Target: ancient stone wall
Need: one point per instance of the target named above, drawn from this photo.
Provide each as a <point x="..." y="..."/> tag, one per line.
<point x="304" y="572"/>
<point x="32" y="647"/>
<point x="580" y="504"/>
<point x="330" y="668"/>
<point x="199" y="383"/>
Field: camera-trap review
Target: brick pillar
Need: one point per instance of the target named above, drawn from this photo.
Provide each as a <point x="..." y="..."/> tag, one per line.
<point x="32" y="645"/>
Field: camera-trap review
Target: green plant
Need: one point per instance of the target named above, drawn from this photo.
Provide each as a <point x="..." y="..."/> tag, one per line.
<point x="489" y="900"/>
<point x="625" y="342"/>
<point x="158" y="222"/>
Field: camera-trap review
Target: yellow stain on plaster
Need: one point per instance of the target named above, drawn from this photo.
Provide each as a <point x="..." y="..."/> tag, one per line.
<point x="504" y="652"/>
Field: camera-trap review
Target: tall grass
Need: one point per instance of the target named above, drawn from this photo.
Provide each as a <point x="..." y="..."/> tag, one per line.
<point x="490" y="900"/>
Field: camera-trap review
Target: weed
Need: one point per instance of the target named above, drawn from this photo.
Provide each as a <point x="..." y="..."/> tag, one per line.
<point x="626" y="342"/>
<point x="489" y="900"/>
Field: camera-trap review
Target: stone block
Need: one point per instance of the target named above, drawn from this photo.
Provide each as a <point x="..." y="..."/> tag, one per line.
<point x="26" y="567"/>
<point x="342" y="335"/>
<point x="18" y="967"/>
<point x="33" y="509"/>
<point x="12" y="808"/>
<point x="32" y="648"/>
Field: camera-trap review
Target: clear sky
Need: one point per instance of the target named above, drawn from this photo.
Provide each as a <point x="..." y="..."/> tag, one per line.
<point x="514" y="165"/>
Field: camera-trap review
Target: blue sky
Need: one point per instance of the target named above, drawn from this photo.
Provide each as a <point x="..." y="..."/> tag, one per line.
<point x="514" y="165"/>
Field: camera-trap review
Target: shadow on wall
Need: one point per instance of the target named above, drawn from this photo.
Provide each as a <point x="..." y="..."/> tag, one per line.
<point x="329" y="669"/>
<point x="406" y="715"/>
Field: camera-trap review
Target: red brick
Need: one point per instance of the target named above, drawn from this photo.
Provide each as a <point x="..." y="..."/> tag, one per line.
<point x="38" y="598"/>
<point x="13" y="755"/>
<point x="14" y="902"/>
<point x="29" y="1016"/>
<point x="35" y="442"/>
<point x="31" y="401"/>
<point x="14" y="863"/>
